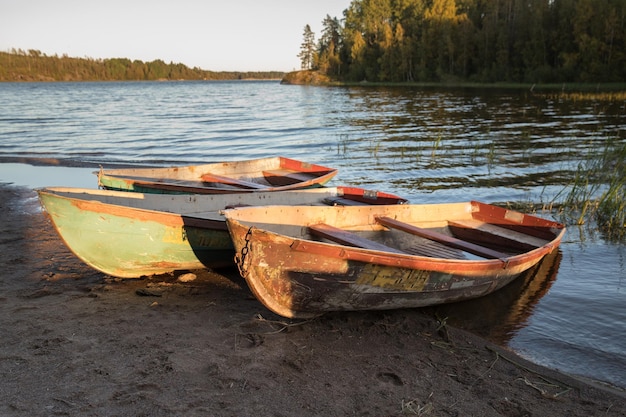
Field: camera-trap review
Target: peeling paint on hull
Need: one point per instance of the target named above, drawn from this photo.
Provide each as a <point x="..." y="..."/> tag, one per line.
<point x="128" y="246"/>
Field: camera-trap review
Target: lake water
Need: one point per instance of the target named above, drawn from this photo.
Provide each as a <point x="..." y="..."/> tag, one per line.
<point x="426" y="144"/>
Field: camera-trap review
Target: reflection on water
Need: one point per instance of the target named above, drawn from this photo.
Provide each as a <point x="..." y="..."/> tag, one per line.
<point x="430" y="145"/>
<point x="500" y="315"/>
<point x="496" y="145"/>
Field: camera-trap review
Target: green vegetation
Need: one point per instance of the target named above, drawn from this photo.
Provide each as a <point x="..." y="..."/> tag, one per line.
<point x="307" y="49"/>
<point x="32" y="65"/>
<point x="452" y="41"/>
<point x="598" y="192"/>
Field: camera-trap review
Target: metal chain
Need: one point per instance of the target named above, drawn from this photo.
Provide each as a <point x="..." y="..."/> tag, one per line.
<point x="240" y="258"/>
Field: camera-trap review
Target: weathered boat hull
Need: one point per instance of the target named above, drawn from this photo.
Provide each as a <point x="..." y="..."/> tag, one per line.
<point x="129" y="235"/>
<point x="128" y="243"/>
<point x="296" y="276"/>
<point x="254" y="175"/>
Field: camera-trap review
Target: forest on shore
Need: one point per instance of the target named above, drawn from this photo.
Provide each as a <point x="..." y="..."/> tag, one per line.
<point x="414" y="41"/>
<point x="32" y="65"/>
<point x="483" y="41"/>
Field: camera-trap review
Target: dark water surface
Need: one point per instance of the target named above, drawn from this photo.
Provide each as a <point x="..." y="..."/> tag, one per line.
<point x="428" y="145"/>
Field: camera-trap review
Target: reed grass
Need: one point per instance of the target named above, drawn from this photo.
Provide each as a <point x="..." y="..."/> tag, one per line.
<point x="375" y="148"/>
<point x="342" y="145"/>
<point x="491" y="155"/>
<point x="436" y="145"/>
<point x="606" y="96"/>
<point x="611" y="211"/>
<point x="598" y="192"/>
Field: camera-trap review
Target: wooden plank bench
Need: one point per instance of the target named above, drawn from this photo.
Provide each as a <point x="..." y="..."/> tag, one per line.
<point x="173" y="185"/>
<point x="208" y="177"/>
<point x="287" y="177"/>
<point x="516" y="222"/>
<point x="345" y="237"/>
<point x="500" y="235"/>
<point x="158" y="181"/>
<point x="441" y="238"/>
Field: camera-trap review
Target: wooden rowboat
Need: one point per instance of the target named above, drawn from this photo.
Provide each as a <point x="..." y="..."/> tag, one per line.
<point x="304" y="261"/>
<point x="129" y="235"/>
<point x="265" y="174"/>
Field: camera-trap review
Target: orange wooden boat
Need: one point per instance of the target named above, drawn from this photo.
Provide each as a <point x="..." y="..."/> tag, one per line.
<point x="304" y="261"/>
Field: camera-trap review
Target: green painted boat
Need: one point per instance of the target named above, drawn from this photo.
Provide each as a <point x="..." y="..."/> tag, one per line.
<point x="254" y="175"/>
<point x="129" y="235"/>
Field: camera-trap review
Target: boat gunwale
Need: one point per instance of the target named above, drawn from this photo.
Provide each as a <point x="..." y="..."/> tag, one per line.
<point x="81" y="197"/>
<point x="469" y="267"/>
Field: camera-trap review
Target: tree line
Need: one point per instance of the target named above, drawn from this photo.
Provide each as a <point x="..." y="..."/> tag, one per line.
<point x="32" y="65"/>
<point x="520" y="41"/>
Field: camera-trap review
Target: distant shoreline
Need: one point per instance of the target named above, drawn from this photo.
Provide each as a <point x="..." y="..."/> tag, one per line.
<point x="315" y="78"/>
<point x="61" y="162"/>
<point x="32" y="65"/>
<point x="141" y="81"/>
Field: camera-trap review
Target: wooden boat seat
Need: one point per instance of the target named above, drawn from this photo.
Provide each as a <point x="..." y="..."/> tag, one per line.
<point x="280" y="175"/>
<point x="442" y="238"/>
<point x="506" y="236"/>
<point x="160" y="180"/>
<point x="345" y="237"/>
<point x="160" y="183"/>
<point x="208" y="177"/>
<point x="342" y="201"/>
<point x="166" y="184"/>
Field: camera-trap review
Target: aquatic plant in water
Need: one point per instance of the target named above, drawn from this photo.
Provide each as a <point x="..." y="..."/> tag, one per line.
<point x="598" y="192"/>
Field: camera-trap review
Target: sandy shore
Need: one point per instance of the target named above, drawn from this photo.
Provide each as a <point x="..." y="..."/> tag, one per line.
<point x="75" y="342"/>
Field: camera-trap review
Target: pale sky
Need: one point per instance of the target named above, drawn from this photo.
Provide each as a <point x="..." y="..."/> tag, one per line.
<point x="215" y="35"/>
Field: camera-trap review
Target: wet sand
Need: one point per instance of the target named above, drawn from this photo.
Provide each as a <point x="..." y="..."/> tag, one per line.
<point x="75" y="342"/>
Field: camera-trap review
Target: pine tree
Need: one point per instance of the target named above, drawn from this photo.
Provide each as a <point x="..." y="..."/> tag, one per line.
<point x="307" y="49"/>
<point x="329" y="46"/>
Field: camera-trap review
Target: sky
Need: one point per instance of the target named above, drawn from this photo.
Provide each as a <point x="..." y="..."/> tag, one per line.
<point x="214" y="35"/>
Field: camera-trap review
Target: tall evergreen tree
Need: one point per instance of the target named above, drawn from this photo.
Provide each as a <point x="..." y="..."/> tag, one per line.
<point x="307" y="49"/>
<point x="328" y="59"/>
